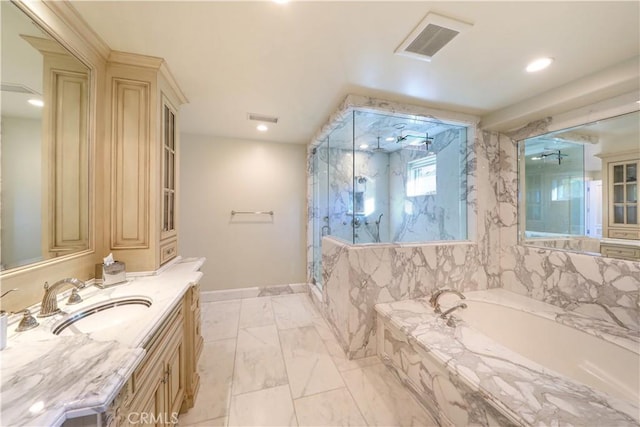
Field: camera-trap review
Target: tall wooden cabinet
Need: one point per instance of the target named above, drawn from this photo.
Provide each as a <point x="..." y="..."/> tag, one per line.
<point x="143" y="134"/>
<point x="621" y="194"/>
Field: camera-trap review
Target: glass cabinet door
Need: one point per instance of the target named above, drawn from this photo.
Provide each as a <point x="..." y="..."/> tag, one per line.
<point x="168" y="169"/>
<point x="624" y="188"/>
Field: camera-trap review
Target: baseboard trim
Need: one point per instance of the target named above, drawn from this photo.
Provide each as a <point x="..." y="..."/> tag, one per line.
<point x="254" y="292"/>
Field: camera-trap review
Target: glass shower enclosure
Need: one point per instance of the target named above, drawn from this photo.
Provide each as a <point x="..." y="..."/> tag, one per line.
<point x="380" y="178"/>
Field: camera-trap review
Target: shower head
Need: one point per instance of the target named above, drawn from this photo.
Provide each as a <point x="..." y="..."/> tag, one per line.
<point x="379" y="149"/>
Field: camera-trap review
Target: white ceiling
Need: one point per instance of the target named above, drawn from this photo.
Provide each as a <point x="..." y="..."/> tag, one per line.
<point x="297" y="61"/>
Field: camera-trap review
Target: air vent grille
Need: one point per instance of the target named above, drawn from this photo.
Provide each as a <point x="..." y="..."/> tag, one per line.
<point x="262" y="118"/>
<point x="432" y="34"/>
<point x="431" y="40"/>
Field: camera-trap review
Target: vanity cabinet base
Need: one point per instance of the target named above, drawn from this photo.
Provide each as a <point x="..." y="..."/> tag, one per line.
<point x="166" y="382"/>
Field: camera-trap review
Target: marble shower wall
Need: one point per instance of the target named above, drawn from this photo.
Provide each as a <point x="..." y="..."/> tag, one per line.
<point x="356" y="277"/>
<point x="374" y="168"/>
<point x="601" y="287"/>
<point x="341" y="118"/>
<point x="441" y="216"/>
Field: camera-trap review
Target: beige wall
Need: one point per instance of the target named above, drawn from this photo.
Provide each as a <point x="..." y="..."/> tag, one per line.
<point x="218" y="175"/>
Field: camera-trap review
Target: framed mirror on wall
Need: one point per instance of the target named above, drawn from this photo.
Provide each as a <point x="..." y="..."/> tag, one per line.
<point x="45" y="172"/>
<point x="578" y="188"/>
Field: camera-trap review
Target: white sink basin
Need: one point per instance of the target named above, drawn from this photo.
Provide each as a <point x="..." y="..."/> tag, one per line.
<point x="102" y="315"/>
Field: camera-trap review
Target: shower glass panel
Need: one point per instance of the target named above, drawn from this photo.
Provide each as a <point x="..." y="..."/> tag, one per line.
<point x="554" y="185"/>
<point x="320" y="173"/>
<point x="396" y="179"/>
<point x="340" y="180"/>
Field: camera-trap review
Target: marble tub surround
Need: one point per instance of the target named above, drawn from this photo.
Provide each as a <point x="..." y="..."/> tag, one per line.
<point x="463" y="375"/>
<point x="577" y="244"/>
<point x="358" y="277"/>
<point x="603" y="288"/>
<point x="37" y="369"/>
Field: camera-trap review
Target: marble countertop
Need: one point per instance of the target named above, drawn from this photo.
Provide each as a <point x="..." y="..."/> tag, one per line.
<point x="528" y="393"/>
<point x="45" y="379"/>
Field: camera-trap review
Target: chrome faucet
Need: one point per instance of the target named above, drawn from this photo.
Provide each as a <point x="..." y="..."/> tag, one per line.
<point x="49" y="305"/>
<point x="436" y="296"/>
<point x="450" y="321"/>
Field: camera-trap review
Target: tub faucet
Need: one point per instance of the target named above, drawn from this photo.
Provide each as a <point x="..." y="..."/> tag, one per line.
<point x="436" y="296"/>
<point x="450" y="321"/>
<point x="49" y="305"/>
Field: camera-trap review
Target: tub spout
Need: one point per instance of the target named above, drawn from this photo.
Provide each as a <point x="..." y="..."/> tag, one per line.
<point x="452" y="309"/>
<point x="450" y="321"/>
<point x="436" y="297"/>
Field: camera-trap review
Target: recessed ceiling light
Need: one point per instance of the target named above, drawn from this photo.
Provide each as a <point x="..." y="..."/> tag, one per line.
<point x="363" y="146"/>
<point x="281" y="1"/>
<point x="539" y="64"/>
<point x="262" y="127"/>
<point x="36" y="102"/>
<point x="389" y="139"/>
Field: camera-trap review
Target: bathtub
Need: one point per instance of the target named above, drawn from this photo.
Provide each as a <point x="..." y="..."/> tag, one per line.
<point x="510" y="360"/>
<point x="583" y="357"/>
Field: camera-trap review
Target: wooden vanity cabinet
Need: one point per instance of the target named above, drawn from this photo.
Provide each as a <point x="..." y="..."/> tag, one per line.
<point x="193" y="344"/>
<point x="143" y="133"/>
<point x="166" y="381"/>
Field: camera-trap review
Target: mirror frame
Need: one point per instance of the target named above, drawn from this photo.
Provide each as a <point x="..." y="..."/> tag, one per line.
<point x="60" y="21"/>
<point x="608" y="109"/>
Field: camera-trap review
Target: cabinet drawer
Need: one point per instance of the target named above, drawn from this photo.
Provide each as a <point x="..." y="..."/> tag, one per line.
<point x="168" y="251"/>
<point x="624" y="234"/>
<point x="620" y="252"/>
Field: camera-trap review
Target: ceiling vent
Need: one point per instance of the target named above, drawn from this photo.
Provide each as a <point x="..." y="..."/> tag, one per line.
<point x="431" y="35"/>
<point x="262" y="118"/>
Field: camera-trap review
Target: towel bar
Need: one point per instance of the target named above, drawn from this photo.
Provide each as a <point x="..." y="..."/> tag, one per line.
<point x="252" y="212"/>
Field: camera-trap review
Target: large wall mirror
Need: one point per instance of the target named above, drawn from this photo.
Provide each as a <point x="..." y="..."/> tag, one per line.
<point x="578" y="188"/>
<point x="45" y="197"/>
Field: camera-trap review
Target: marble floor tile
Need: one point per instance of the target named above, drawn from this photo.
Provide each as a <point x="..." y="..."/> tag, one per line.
<point x="342" y="362"/>
<point x="268" y="407"/>
<point x="256" y="312"/>
<point x="383" y="399"/>
<point x="323" y="329"/>
<point x="220" y="320"/>
<point x="309" y="305"/>
<point x="290" y="311"/>
<point x="330" y="408"/>
<point x="309" y="366"/>
<point x="216" y="373"/>
<point x="259" y="363"/>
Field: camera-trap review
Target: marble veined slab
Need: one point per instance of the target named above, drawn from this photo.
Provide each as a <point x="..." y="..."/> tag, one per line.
<point x="524" y="391"/>
<point x="43" y="381"/>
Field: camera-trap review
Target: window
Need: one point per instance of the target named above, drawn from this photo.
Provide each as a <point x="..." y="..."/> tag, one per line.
<point x="421" y="177"/>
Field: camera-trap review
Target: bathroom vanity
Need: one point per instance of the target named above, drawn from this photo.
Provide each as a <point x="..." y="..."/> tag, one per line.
<point x="125" y="369"/>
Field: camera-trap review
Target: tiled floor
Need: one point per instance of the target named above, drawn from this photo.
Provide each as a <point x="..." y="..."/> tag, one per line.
<point x="273" y="361"/>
